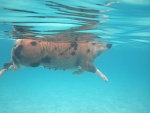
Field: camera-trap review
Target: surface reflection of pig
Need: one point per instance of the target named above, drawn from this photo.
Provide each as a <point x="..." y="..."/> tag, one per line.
<point x="62" y="55"/>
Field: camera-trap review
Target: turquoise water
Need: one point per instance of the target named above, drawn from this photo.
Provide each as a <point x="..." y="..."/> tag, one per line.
<point x="126" y="64"/>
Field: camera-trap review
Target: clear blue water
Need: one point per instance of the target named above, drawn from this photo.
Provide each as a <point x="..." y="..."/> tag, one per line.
<point x="126" y="64"/>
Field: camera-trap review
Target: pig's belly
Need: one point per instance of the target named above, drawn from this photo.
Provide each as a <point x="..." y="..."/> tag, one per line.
<point x="62" y="64"/>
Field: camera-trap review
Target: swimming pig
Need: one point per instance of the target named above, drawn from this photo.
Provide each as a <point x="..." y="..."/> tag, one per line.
<point x="63" y="55"/>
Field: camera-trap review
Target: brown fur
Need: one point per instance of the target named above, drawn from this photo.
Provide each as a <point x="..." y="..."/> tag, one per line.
<point x="63" y="55"/>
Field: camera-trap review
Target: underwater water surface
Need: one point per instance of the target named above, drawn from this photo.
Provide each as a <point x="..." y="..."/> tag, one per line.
<point x="125" y="24"/>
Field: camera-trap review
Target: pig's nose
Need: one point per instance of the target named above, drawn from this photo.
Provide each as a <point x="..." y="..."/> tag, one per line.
<point x="109" y="46"/>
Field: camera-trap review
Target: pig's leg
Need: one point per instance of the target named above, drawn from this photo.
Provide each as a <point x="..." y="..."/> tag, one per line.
<point x="6" y="67"/>
<point x="91" y="68"/>
<point x="79" y="71"/>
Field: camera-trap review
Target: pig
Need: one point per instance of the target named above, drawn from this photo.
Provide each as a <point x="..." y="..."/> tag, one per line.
<point x="62" y="55"/>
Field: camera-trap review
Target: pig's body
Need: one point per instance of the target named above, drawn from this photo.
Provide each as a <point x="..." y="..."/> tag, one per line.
<point x="56" y="55"/>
